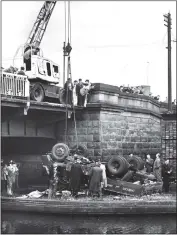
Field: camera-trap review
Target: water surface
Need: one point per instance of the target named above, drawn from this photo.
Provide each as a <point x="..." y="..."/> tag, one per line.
<point x="24" y="223"/>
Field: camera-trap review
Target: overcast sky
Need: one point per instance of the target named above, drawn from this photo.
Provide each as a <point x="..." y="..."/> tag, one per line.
<point x="114" y="42"/>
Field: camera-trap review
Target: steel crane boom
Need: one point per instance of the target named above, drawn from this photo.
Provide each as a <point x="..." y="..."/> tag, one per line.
<point x="40" y="25"/>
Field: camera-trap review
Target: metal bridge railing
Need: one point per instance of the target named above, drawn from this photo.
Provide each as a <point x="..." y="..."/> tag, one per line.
<point x="14" y="85"/>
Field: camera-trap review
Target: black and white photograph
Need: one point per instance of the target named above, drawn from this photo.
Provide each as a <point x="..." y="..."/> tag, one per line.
<point x="88" y="117"/>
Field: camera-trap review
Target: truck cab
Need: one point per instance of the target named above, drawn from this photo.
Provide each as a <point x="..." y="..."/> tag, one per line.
<point x="43" y="74"/>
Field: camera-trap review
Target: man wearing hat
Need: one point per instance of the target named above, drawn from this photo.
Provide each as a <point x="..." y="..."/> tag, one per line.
<point x="166" y="172"/>
<point x="157" y="168"/>
<point x="76" y="176"/>
<point x="21" y="71"/>
<point x="96" y="178"/>
<point x="11" y="177"/>
<point x="79" y="86"/>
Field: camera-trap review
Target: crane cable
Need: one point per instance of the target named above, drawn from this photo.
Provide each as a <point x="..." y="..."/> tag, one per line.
<point x="69" y="75"/>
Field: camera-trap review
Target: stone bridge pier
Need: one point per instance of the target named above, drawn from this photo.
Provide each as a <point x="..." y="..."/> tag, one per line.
<point x="115" y="123"/>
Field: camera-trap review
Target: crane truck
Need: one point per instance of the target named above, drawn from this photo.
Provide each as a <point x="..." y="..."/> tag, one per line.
<point x="43" y="74"/>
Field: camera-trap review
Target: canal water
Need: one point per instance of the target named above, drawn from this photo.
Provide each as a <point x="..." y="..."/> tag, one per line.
<point x="23" y="223"/>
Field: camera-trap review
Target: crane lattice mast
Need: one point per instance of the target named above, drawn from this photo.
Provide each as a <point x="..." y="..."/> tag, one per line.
<point x="39" y="27"/>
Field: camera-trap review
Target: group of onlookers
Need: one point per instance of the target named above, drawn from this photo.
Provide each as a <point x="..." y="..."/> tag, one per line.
<point x="15" y="70"/>
<point x="9" y="178"/>
<point x="130" y="89"/>
<point x="78" y="175"/>
<point x="136" y="90"/>
<point x="77" y="93"/>
<point x="161" y="171"/>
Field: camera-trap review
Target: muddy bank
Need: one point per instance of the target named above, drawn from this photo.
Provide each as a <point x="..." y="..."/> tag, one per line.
<point x="154" y="204"/>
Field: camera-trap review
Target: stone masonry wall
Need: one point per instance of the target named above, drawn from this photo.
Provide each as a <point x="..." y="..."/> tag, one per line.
<point x="125" y="133"/>
<point x="108" y="133"/>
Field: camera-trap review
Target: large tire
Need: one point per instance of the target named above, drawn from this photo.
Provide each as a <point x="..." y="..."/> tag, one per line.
<point x="80" y="150"/>
<point x="137" y="162"/>
<point x="59" y="152"/>
<point x="37" y="93"/>
<point x="117" y="166"/>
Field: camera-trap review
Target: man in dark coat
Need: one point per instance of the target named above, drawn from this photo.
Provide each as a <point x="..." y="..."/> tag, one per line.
<point x="68" y="92"/>
<point x="96" y="178"/>
<point x="79" y="96"/>
<point x="166" y="172"/>
<point x="149" y="164"/>
<point x="21" y="71"/>
<point x="76" y="176"/>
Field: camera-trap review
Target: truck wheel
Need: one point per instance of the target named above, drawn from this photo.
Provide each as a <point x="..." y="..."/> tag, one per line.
<point x="80" y="150"/>
<point x="59" y="152"/>
<point x="137" y="162"/>
<point x="117" y="166"/>
<point x="37" y="93"/>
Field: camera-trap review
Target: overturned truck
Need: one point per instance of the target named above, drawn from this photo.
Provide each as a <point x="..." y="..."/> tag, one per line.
<point x="124" y="176"/>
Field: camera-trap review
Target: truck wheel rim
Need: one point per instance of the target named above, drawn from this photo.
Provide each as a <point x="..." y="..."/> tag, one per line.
<point x="60" y="151"/>
<point x="37" y="94"/>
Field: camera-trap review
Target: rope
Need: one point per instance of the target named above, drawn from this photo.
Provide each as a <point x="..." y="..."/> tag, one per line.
<point x="65" y="18"/>
<point x="69" y="12"/>
<point x="68" y="21"/>
<point x="69" y="75"/>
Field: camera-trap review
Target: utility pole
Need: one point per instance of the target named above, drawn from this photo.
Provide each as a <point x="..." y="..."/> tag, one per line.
<point x="167" y="19"/>
<point x="147" y="73"/>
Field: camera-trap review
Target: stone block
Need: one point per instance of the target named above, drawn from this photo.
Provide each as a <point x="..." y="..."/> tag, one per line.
<point x="70" y="138"/>
<point x="90" y="138"/>
<point x="104" y="124"/>
<point x="89" y="123"/>
<point x="90" y="152"/>
<point x="105" y="131"/>
<point x="96" y="138"/>
<point x="124" y="145"/>
<point x="103" y="145"/>
<point x="113" y="151"/>
<point x="94" y="145"/>
<point x="82" y="138"/>
<point x="72" y="144"/>
<point x="82" y="131"/>
<point x="93" y="131"/>
<point x="144" y="139"/>
<point x="106" y="158"/>
<point x="119" y="152"/>
<point x="119" y="117"/>
<point x="95" y="124"/>
<point x="123" y="132"/>
<point x="135" y="139"/>
<point x="139" y="145"/>
<point x="105" y="152"/>
<point x="106" y="137"/>
<point x="95" y="116"/>
<point x="146" y="145"/>
<point x="71" y="131"/>
<point x="118" y="138"/>
<point x="117" y="124"/>
<point x="112" y="137"/>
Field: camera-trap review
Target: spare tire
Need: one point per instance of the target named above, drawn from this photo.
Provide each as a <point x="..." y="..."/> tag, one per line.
<point x="137" y="162"/>
<point x="59" y="152"/>
<point x="117" y="166"/>
<point x="81" y="149"/>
